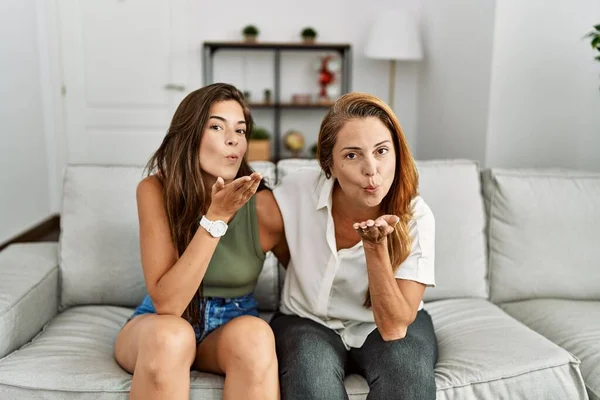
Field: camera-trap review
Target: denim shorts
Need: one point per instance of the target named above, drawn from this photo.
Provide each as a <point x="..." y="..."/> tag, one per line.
<point x="218" y="312"/>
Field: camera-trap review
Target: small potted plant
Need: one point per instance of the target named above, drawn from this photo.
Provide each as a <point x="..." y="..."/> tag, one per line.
<point x="259" y="146"/>
<point x="250" y="33"/>
<point x="313" y="150"/>
<point x="267" y="94"/>
<point x="247" y="96"/>
<point x="308" y="35"/>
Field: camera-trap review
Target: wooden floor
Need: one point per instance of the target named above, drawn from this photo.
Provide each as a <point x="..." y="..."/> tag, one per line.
<point x="46" y="231"/>
<point x="50" y="236"/>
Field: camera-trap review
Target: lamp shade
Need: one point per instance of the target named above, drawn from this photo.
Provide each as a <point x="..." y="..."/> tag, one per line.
<point x="394" y="36"/>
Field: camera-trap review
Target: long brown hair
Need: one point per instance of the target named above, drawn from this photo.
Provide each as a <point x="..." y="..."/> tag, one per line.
<point x="176" y="164"/>
<point x="404" y="187"/>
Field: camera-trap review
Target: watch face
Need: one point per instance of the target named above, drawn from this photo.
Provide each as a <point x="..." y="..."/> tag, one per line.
<point x="218" y="228"/>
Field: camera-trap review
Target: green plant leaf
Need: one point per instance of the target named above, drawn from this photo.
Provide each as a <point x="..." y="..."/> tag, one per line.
<point x="596" y="41"/>
<point x="308" y="32"/>
<point x="597" y="58"/>
<point x="259" y="133"/>
<point x="250" y="30"/>
<point x="597" y="27"/>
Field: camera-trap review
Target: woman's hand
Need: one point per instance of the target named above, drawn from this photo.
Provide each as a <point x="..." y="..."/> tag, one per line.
<point x="226" y="199"/>
<point x="375" y="232"/>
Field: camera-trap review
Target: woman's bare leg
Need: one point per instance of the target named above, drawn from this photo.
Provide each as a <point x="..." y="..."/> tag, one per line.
<point x="244" y="351"/>
<point x="159" y="351"/>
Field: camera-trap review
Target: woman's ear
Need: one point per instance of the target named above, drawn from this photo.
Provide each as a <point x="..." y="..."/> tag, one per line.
<point x="328" y="171"/>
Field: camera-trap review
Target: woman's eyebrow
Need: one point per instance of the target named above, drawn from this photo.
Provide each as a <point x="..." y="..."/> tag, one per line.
<point x="225" y="120"/>
<point x="380" y="143"/>
<point x="358" y="148"/>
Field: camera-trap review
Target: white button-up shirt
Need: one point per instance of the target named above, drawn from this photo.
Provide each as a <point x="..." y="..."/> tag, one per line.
<point x="329" y="286"/>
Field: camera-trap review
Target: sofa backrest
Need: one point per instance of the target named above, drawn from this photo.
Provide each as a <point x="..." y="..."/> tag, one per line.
<point x="99" y="244"/>
<point x="543" y="234"/>
<point x="99" y="241"/>
<point x="453" y="191"/>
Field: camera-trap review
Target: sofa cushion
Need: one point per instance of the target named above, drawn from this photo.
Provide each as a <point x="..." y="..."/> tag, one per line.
<point x="452" y="189"/>
<point x="72" y="358"/>
<point x="267" y="170"/>
<point x="28" y="292"/>
<point x="573" y="325"/>
<point x="483" y="353"/>
<point x="543" y="234"/>
<point x="486" y="354"/>
<point x="267" y="290"/>
<point x="285" y="167"/>
<point x="99" y="243"/>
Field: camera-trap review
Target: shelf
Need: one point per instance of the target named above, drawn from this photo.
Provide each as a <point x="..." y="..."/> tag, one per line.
<point x="209" y="49"/>
<point x="290" y="106"/>
<point x="277" y="46"/>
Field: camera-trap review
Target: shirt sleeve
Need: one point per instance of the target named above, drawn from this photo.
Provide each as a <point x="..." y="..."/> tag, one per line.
<point x="419" y="265"/>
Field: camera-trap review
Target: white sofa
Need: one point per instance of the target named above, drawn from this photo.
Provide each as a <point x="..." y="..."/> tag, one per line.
<point x="516" y="308"/>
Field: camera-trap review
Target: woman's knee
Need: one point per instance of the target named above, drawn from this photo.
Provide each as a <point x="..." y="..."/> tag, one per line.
<point x="249" y="344"/>
<point x="167" y="341"/>
<point x="408" y="367"/>
<point x="311" y="345"/>
<point x="311" y="368"/>
<point x="311" y="353"/>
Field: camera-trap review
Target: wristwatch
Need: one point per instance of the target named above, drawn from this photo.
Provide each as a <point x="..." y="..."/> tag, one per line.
<point x="216" y="228"/>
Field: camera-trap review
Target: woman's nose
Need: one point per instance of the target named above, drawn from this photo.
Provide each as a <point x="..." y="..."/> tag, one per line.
<point x="231" y="140"/>
<point x="369" y="167"/>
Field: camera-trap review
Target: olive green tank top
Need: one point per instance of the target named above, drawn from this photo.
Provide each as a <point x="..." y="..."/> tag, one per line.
<point x="238" y="259"/>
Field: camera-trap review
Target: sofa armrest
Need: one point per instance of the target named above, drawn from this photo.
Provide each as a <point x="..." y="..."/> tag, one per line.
<point x="28" y="292"/>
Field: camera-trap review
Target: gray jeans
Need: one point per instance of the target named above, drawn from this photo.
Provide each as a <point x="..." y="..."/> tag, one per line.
<point x="313" y="361"/>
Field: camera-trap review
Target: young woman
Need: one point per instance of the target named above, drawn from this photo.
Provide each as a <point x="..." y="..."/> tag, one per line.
<point x="361" y="243"/>
<point x="205" y="223"/>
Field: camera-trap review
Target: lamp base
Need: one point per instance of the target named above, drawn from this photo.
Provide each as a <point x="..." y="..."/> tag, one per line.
<point x="392" y="81"/>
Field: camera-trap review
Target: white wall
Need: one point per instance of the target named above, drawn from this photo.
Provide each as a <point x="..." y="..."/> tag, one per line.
<point x="340" y="21"/>
<point x="52" y="98"/>
<point x="455" y="78"/>
<point x="545" y="97"/>
<point x="506" y="83"/>
<point x="24" y="199"/>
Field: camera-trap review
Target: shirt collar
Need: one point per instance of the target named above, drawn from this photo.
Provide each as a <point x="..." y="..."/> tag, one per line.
<point x="325" y="191"/>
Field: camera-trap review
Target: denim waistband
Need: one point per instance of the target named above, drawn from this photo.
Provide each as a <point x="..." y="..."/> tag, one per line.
<point x="223" y="301"/>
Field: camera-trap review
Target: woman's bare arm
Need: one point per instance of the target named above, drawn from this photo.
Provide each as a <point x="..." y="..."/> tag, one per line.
<point x="395" y="302"/>
<point x="270" y="221"/>
<point x="172" y="281"/>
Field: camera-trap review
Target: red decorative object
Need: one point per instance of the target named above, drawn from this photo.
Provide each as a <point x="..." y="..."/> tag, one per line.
<point x="326" y="77"/>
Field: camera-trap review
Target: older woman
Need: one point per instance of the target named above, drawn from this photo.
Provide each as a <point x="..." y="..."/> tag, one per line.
<point x="361" y="246"/>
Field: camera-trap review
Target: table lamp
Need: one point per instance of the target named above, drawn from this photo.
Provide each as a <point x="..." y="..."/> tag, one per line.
<point x="394" y="36"/>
